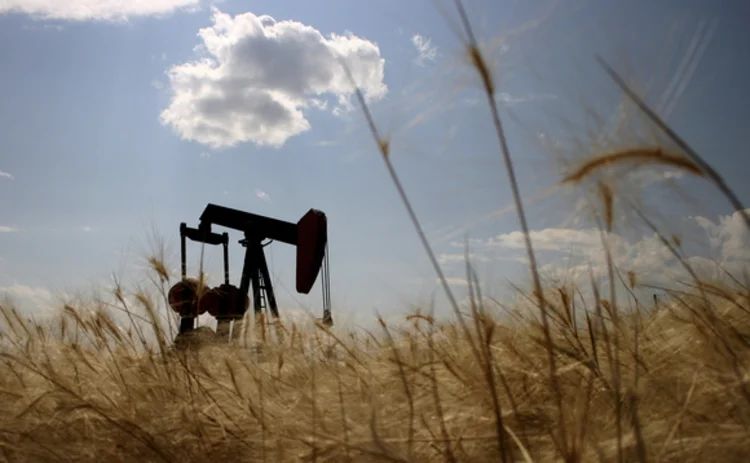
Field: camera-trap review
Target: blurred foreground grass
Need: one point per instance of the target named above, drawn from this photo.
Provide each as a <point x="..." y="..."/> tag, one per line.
<point x="83" y="389"/>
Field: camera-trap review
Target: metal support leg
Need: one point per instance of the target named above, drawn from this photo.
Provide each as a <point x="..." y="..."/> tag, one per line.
<point x="187" y="324"/>
<point x="183" y="251"/>
<point x="225" y="238"/>
<point x="222" y="327"/>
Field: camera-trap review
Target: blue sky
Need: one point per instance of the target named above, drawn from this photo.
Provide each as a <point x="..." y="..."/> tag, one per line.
<point x="113" y="125"/>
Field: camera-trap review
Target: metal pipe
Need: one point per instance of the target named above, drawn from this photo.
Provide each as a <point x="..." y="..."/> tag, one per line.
<point x="225" y="236"/>
<point x="183" y="250"/>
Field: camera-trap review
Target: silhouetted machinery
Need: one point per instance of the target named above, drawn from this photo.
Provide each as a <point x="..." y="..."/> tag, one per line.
<point x="227" y="302"/>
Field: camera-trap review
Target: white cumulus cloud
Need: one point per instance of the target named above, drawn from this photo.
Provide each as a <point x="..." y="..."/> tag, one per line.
<point x="260" y="75"/>
<point x="94" y="10"/>
<point x="729" y="236"/>
<point x="6" y="175"/>
<point x="570" y="254"/>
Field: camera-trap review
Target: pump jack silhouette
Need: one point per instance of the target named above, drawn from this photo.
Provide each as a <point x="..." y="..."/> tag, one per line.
<point x="227" y="303"/>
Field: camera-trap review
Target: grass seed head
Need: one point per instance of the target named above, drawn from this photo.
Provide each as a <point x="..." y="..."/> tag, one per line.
<point x="607" y="197"/>
<point x="641" y="156"/>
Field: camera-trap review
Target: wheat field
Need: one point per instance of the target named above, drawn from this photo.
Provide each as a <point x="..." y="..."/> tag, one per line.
<point x="84" y="389"/>
<point x="572" y="379"/>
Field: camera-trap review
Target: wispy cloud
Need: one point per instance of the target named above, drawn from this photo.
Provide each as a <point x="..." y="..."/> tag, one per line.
<point x="427" y="51"/>
<point x="453" y="260"/>
<point x="444" y="259"/>
<point x="509" y="99"/>
<point x="318" y="103"/>
<point x="95" y="10"/>
<point x="4" y="229"/>
<point x="34" y="298"/>
<point x="45" y="27"/>
<point x="326" y="143"/>
<point x="263" y="195"/>
<point x="6" y="175"/>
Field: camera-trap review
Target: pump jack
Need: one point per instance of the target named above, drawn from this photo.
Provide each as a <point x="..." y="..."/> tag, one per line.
<point x="228" y="303"/>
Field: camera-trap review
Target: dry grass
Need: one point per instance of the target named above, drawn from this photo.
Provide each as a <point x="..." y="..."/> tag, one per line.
<point x="572" y="380"/>
<point x="638" y="156"/>
<point x="419" y="395"/>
